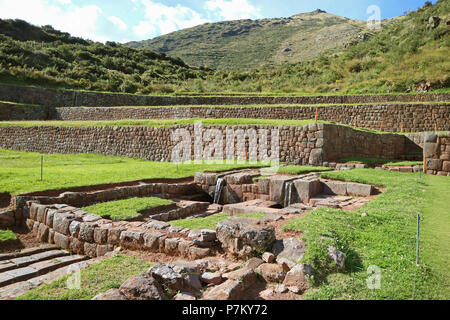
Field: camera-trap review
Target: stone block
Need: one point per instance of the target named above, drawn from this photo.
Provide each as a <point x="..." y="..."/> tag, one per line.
<point x="334" y="188"/>
<point x="114" y="236"/>
<point x="358" y="189"/>
<point x="306" y="189"/>
<point x="62" y="221"/>
<point x="62" y="240"/>
<point x="76" y="246"/>
<point x="132" y="239"/>
<point x="86" y="232"/>
<point x="90" y="249"/>
<point x="101" y="235"/>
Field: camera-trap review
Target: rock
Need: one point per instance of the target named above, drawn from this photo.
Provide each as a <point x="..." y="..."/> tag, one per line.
<point x="289" y="252"/>
<point x="199" y="253"/>
<point x="271" y="272"/>
<point x="337" y="256"/>
<point x="112" y="294"/>
<point x="268" y="257"/>
<point x="74" y="228"/>
<point x="296" y="279"/>
<point x="62" y="221"/>
<point x="167" y="277"/>
<point x="156" y="225"/>
<point x="86" y="232"/>
<point x="243" y="237"/>
<point x="203" y="238"/>
<point x="142" y="287"/>
<point x="254" y="263"/>
<point x="174" y="229"/>
<point x="184" y="296"/>
<point x="281" y="288"/>
<point x="364" y="215"/>
<point x="61" y="241"/>
<point x="433" y="22"/>
<point x="211" y="278"/>
<point x="229" y="290"/>
<point x="244" y="275"/>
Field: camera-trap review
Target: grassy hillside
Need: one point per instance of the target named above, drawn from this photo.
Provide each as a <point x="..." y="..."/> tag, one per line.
<point x="253" y="43"/>
<point x="406" y="55"/>
<point x="44" y="56"/>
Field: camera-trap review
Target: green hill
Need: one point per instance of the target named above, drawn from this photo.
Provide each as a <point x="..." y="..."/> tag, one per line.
<point x="47" y="57"/>
<point x="253" y="43"/>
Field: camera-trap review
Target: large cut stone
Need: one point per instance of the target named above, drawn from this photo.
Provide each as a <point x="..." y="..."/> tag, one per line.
<point x="359" y="189"/>
<point x="244" y="237"/>
<point x="142" y="287"/>
<point x="306" y="189"/>
<point x="335" y="188"/>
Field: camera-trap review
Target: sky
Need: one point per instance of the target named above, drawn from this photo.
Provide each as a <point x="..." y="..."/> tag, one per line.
<point x="134" y="20"/>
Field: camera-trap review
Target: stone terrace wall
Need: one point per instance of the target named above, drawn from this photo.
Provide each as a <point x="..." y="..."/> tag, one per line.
<point x="310" y="144"/>
<point x="413" y="117"/>
<point x="15" y="112"/>
<point x="437" y="153"/>
<point x="65" y="98"/>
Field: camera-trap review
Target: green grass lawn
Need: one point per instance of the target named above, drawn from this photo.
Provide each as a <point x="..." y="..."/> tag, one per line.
<point x="95" y="279"/>
<point x="7" y="235"/>
<point x="20" y="171"/>
<point x="372" y="161"/>
<point x="385" y="238"/>
<point x="158" y="123"/>
<point x="211" y="221"/>
<point x="302" y="169"/>
<point x="126" y="209"/>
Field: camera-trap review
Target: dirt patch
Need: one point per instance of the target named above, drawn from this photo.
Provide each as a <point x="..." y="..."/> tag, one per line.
<point x="5" y="200"/>
<point x="25" y="239"/>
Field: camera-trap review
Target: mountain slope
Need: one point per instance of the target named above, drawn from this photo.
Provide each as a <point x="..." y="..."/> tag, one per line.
<point x="44" y="56"/>
<point x="253" y="43"/>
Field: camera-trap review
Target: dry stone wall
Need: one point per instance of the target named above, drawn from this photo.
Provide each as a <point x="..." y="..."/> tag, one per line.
<point x="385" y="117"/>
<point x="437" y="153"/>
<point x="66" y="98"/>
<point x="310" y="144"/>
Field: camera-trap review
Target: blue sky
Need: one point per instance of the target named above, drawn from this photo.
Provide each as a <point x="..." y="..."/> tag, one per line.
<point x="127" y="20"/>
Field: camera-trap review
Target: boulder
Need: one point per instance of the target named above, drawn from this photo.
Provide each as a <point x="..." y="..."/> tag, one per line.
<point x="142" y="287"/>
<point x="268" y="257"/>
<point x="229" y="290"/>
<point x="184" y="296"/>
<point x="296" y="279"/>
<point x="113" y="294"/>
<point x="178" y="276"/>
<point x="337" y="256"/>
<point x="254" y="263"/>
<point x="289" y="252"/>
<point x="211" y="278"/>
<point x="271" y="272"/>
<point x="243" y="237"/>
<point x="359" y="189"/>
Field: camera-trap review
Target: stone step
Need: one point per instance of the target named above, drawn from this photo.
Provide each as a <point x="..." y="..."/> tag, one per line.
<point x="17" y="289"/>
<point x="20" y="262"/>
<point x="27" y="252"/>
<point x="37" y="269"/>
<point x="47" y="266"/>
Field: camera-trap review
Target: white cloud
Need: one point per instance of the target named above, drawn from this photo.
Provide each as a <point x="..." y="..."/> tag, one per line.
<point x="119" y="23"/>
<point x="233" y="9"/>
<point x="163" y="19"/>
<point x="61" y="14"/>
